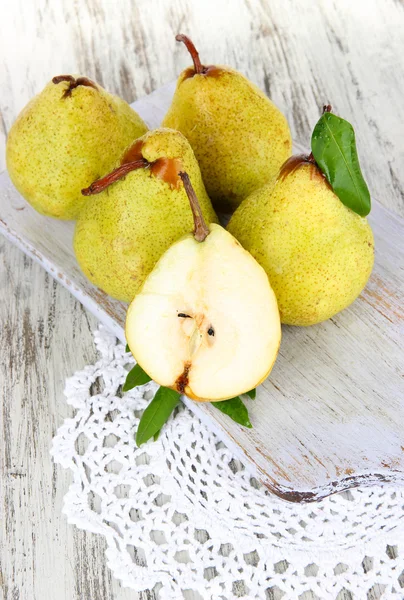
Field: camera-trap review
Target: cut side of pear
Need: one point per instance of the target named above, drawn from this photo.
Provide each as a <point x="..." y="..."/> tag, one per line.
<point x="206" y="322"/>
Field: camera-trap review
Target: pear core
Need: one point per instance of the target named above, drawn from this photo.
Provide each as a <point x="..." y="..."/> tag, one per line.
<point x="206" y="322"/>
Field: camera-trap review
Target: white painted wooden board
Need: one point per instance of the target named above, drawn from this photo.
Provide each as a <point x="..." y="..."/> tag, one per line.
<point x="330" y="415"/>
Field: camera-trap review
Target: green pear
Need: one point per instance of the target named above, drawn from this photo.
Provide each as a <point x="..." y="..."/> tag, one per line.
<point x="68" y="135"/>
<point x="141" y="209"/>
<point x="318" y="253"/>
<point x="240" y="138"/>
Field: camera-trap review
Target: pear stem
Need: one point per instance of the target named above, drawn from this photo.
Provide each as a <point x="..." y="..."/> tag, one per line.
<point x="193" y="52"/>
<point x="201" y="230"/>
<point x="60" y="78"/>
<point x="101" y="184"/>
<point x="73" y="83"/>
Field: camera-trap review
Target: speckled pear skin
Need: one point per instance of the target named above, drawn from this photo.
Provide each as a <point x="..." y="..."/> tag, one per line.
<point x="317" y="253"/>
<point x="57" y="145"/>
<point x="122" y="232"/>
<point x="240" y="138"/>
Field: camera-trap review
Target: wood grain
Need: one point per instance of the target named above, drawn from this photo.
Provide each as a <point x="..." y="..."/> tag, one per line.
<point x="348" y="53"/>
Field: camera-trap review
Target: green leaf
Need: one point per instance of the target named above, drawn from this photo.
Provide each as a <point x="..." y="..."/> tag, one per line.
<point x="252" y="394"/>
<point x="235" y="409"/>
<point x="127" y="349"/>
<point x="156" y="414"/>
<point x="135" y="377"/>
<point x="156" y="435"/>
<point x="334" y="149"/>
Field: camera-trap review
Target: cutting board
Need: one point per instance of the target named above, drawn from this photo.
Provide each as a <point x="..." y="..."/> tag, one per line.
<point x="331" y="414"/>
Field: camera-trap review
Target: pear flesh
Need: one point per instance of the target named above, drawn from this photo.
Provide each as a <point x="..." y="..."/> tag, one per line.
<point x="317" y="253"/>
<point x="68" y="135"/>
<point x="206" y="321"/>
<point x="240" y="138"/>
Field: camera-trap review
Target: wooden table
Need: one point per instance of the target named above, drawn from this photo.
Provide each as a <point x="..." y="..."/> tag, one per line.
<point x="302" y="54"/>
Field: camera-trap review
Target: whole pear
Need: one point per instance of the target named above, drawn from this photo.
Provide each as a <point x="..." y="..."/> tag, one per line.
<point x="68" y="135"/>
<point x="123" y="230"/>
<point x="240" y="138"/>
<point x="318" y="254"/>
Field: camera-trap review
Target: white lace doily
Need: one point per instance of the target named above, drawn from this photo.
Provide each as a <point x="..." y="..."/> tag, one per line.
<point x="182" y="514"/>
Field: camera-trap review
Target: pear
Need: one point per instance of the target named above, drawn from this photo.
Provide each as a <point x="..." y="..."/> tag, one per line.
<point x="140" y="211"/>
<point x="317" y="252"/>
<point x="68" y="135"/>
<point x="240" y="138"/>
<point x="205" y="322"/>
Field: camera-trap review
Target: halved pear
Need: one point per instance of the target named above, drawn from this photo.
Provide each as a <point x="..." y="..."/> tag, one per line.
<point x="206" y="321"/>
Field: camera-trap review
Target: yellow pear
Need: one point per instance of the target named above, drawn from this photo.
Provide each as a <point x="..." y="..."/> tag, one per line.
<point x="317" y="252"/>
<point x="140" y="209"/>
<point x="205" y="323"/>
<point x="67" y="136"/>
<point x="240" y="138"/>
